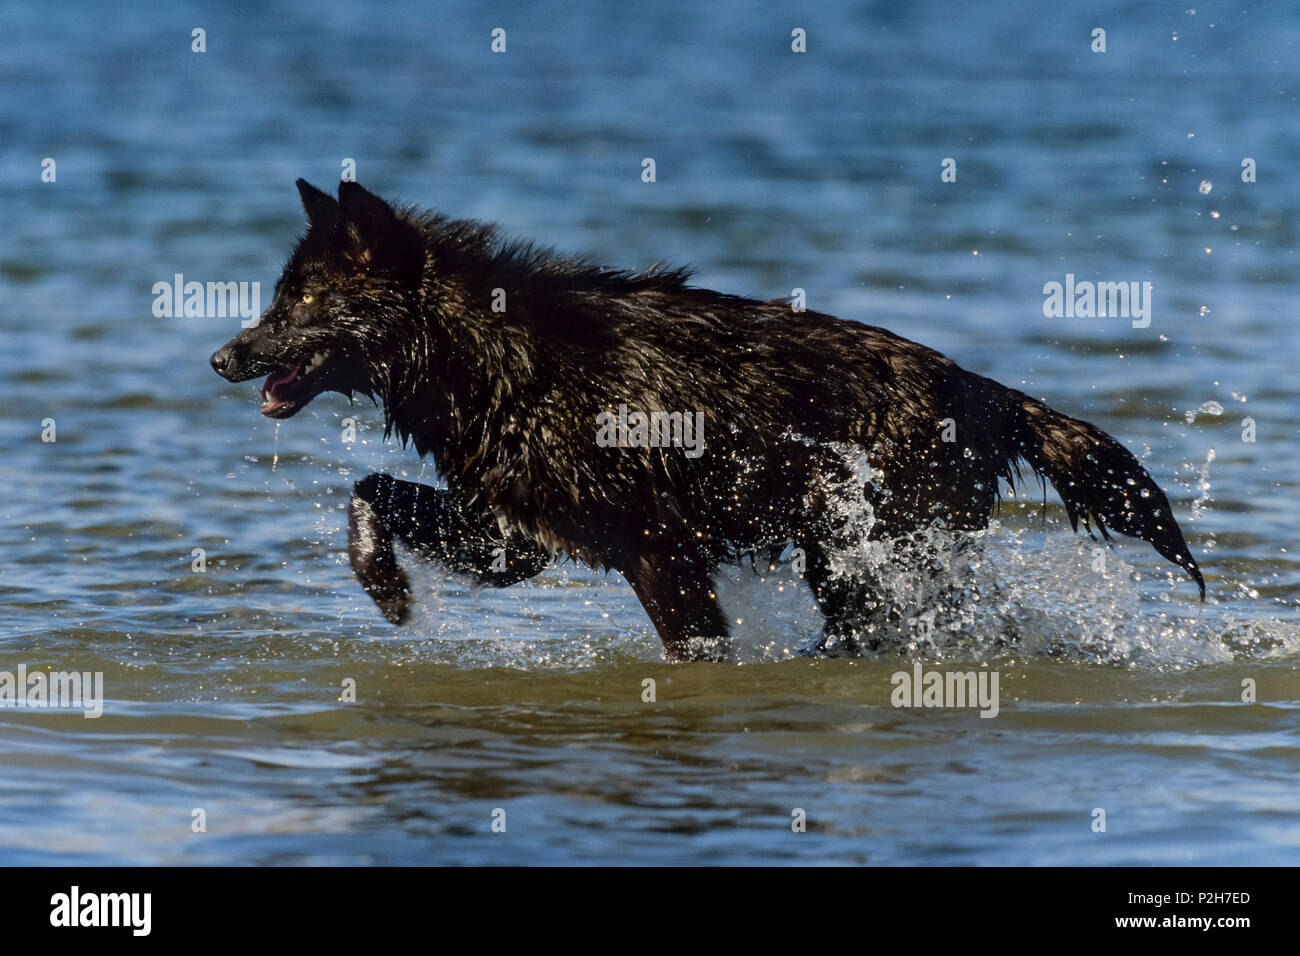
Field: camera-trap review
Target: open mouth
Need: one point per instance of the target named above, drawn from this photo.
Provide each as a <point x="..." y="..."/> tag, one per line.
<point x="288" y="389"/>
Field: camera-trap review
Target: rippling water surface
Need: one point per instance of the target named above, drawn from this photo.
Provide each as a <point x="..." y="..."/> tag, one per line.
<point x="775" y="170"/>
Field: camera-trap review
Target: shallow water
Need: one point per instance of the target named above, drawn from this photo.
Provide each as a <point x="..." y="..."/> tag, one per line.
<point x="1117" y="689"/>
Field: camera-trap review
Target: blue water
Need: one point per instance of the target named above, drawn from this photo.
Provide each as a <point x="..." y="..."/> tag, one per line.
<point x="774" y="171"/>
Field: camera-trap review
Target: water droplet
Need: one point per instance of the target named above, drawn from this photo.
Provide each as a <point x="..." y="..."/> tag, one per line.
<point x="1207" y="408"/>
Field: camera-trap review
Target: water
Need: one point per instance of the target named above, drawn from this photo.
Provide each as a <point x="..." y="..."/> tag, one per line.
<point x="775" y="171"/>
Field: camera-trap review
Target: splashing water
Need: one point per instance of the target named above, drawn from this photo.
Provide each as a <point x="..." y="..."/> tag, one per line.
<point x="1202" y="488"/>
<point x="1029" y="593"/>
<point x="1011" y="590"/>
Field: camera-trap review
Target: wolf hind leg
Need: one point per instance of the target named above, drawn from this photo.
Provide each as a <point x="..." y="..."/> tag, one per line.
<point x="863" y="614"/>
<point x="432" y="523"/>
<point x="850" y="606"/>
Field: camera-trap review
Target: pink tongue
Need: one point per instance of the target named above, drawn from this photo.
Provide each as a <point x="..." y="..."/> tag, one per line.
<point x="288" y="376"/>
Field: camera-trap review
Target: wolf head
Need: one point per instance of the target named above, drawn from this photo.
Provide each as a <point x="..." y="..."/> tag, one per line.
<point x="347" y="296"/>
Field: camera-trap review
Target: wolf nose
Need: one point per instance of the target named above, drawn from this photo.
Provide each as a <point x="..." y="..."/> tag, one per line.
<point x="221" y="360"/>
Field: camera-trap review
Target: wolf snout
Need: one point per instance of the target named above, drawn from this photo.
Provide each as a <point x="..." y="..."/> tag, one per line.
<point x="221" y="360"/>
<point x="237" y="362"/>
<point x="225" y="363"/>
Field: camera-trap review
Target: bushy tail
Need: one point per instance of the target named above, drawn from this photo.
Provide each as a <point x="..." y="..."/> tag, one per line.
<point x="1099" y="479"/>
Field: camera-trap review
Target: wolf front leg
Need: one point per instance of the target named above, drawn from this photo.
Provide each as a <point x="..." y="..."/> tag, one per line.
<point x="678" y="596"/>
<point x="430" y="522"/>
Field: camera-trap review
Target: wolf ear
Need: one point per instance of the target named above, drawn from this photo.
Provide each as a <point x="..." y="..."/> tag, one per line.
<point x="321" y="207"/>
<point x="372" y="236"/>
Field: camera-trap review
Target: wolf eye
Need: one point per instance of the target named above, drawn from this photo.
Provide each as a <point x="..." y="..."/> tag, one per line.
<point x="307" y="298"/>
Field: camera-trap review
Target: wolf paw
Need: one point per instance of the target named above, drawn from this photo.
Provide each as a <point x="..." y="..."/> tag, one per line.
<point x="392" y="595"/>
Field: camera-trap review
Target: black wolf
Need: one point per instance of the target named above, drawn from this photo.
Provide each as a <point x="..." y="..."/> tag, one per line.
<point x="497" y="358"/>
